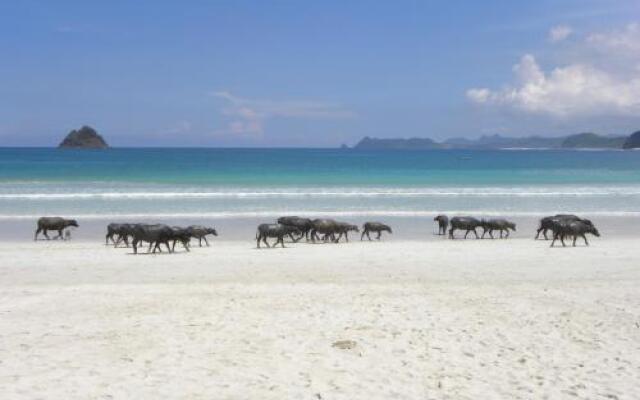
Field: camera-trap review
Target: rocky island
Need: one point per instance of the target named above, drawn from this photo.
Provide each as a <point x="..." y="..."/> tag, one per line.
<point x="633" y="142"/>
<point x="83" y="138"/>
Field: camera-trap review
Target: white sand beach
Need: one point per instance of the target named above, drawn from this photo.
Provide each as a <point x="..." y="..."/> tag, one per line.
<point x="475" y="319"/>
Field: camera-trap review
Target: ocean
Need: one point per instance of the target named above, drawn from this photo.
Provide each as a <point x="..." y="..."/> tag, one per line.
<point x="264" y="183"/>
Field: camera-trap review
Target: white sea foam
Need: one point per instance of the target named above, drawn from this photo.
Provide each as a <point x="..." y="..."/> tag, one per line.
<point x="323" y="213"/>
<point x="593" y="191"/>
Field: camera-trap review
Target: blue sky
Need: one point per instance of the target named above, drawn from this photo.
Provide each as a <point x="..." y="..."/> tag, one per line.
<point x="293" y="73"/>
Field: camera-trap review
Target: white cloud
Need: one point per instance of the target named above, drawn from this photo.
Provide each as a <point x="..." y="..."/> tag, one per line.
<point x="250" y="115"/>
<point x="583" y="87"/>
<point x="624" y="40"/>
<point x="559" y="33"/>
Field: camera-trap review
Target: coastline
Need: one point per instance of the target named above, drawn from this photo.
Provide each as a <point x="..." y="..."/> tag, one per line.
<point x="413" y="228"/>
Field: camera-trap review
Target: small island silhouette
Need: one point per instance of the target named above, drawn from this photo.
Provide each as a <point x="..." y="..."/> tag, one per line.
<point x="83" y="138"/>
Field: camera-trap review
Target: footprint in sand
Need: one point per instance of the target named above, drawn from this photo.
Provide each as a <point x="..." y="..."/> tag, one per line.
<point x="344" y="344"/>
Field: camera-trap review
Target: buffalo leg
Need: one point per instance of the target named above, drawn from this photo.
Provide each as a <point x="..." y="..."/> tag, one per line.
<point x="450" y="233"/>
<point x="44" y="232"/>
<point x="258" y="241"/>
<point x="585" y="239"/>
<point x="379" y="234"/>
<point x="135" y="246"/>
<point x="362" y="236"/>
<point x="264" y="239"/>
<point x="206" y="241"/>
<point x="466" y="233"/>
<point x="35" y="237"/>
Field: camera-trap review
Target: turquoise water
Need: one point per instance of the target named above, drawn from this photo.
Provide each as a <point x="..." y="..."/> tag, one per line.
<point x="256" y="182"/>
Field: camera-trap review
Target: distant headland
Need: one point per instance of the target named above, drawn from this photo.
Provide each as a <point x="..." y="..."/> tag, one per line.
<point x="578" y="141"/>
<point x="83" y="138"/>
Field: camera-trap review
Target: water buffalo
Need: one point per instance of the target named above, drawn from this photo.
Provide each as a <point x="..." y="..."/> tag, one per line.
<point x="377" y="227"/>
<point x="121" y="233"/>
<point x="53" y="224"/>
<point x="153" y="234"/>
<point x="278" y="231"/>
<point x="575" y="229"/>
<point x="550" y="223"/>
<point x="304" y="225"/>
<point x="325" y="226"/>
<point x="183" y="235"/>
<point x="343" y="229"/>
<point x="201" y="232"/>
<point x="502" y="225"/>
<point x="468" y="224"/>
<point x="443" y="223"/>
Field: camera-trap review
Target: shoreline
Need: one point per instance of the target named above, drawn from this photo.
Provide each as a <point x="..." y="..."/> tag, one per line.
<point x="243" y="229"/>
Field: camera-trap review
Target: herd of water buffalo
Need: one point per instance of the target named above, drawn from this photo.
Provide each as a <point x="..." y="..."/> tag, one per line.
<point x="562" y="226"/>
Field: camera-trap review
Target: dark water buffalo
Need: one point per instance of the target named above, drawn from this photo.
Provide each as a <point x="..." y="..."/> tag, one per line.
<point x="551" y="223"/>
<point x="574" y="229"/>
<point x="155" y="235"/>
<point x="118" y="232"/>
<point x="278" y="231"/>
<point x="325" y="226"/>
<point x="53" y="224"/>
<point x="304" y="225"/>
<point x="468" y="224"/>
<point x="502" y="225"/>
<point x="376" y="227"/>
<point x="343" y="229"/>
<point x="182" y="235"/>
<point x="443" y="223"/>
<point x="201" y="232"/>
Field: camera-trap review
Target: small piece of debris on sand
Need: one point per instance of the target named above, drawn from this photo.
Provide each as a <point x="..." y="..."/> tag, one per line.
<point x="344" y="344"/>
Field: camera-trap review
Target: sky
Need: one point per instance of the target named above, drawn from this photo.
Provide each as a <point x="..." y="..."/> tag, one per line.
<point x="315" y="73"/>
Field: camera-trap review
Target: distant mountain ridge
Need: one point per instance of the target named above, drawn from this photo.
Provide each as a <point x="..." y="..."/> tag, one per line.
<point x="578" y="141"/>
<point x="633" y="141"/>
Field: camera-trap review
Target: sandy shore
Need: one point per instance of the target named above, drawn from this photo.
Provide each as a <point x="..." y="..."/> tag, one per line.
<point x="428" y="320"/>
